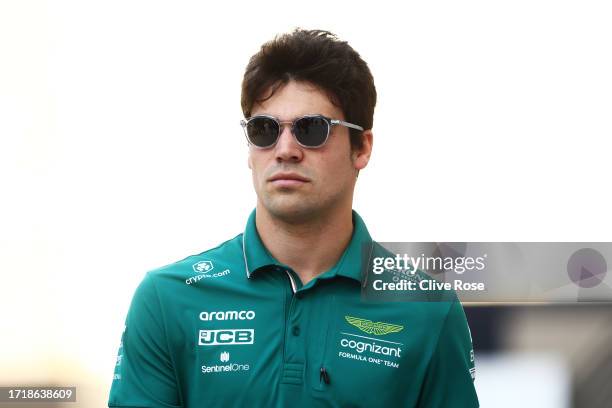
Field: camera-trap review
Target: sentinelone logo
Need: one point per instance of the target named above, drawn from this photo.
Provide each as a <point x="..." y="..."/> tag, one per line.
<point x="224" y="357"/>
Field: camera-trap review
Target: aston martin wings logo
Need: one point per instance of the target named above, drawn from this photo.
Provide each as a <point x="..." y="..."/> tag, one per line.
<point x="370" y="327"/>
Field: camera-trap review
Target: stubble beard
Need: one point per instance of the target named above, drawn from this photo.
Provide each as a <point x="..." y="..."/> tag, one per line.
<point x="294" y="207"/>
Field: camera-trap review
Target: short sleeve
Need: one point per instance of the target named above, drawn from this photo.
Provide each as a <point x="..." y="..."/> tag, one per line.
<point x="144" y="374"/>
<point x="449" y="380"/>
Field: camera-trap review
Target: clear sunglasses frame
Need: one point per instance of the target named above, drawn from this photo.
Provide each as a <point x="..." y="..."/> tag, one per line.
<point x="330" y="122"/>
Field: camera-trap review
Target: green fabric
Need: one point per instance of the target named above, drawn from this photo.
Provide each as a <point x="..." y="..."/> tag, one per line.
<point x="273" y="347"/>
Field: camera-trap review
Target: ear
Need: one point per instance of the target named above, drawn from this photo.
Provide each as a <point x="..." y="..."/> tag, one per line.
<point x="249" y="162"/>
<point x="361" y="157"/>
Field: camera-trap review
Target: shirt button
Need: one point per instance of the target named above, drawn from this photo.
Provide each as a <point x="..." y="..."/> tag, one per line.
<point x="295" y="331"/>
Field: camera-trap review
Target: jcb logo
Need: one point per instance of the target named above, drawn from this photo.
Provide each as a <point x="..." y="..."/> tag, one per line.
<point x="226" y="336"/>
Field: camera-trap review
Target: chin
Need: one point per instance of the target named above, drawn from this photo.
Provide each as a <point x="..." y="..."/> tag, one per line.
<point x="289" y="210"/>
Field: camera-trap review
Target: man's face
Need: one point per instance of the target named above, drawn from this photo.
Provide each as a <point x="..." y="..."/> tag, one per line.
<point x="294" y="183"/>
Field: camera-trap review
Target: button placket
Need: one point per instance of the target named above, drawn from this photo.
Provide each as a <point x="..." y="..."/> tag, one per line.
<point x="294" y="357"/>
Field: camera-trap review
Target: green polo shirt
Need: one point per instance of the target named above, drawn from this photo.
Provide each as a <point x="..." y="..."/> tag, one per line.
<point x="232" y="326"/>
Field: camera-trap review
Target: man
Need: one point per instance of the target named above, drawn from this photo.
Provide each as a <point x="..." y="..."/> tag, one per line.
<point x="274" y="317"/>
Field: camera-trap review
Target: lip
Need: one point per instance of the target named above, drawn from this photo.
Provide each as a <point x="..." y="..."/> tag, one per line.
<point x="288" y="180"/>
<point x="288" y="177"/>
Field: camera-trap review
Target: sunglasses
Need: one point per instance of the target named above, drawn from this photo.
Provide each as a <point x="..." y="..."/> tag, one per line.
<point x="311" y="131"/>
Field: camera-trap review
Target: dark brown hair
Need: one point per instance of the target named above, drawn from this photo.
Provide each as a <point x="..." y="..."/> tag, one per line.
<point x="320" y="58"/>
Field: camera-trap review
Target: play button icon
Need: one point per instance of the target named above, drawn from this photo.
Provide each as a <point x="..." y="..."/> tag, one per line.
<point x="587" y="268"/>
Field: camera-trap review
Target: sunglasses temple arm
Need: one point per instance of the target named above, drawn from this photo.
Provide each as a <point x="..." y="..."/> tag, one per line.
<point x="343" y="123"/>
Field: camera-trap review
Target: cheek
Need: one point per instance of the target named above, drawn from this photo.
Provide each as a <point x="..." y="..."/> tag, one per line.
<point x="256" y="164"/>
<point x="255" y="160"/>
<point x="339" y="169"/>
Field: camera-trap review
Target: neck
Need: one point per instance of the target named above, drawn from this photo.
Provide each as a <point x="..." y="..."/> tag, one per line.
<point x="310" y="247"/>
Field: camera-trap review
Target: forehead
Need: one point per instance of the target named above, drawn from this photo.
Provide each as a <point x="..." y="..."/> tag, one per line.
<point x="296" y="99"/>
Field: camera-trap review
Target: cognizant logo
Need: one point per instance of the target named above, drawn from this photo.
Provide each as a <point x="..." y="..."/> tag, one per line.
<point x="370" y="346"/>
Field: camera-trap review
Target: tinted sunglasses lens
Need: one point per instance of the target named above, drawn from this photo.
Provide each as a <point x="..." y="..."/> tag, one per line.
<point x="311" y="131"/>
<point x="262" y="132"/>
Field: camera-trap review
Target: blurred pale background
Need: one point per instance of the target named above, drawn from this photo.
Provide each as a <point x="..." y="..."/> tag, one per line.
<point x="120" y="151"/>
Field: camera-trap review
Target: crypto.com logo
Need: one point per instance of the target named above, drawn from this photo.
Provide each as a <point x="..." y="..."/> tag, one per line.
<point x="203" y="266"/>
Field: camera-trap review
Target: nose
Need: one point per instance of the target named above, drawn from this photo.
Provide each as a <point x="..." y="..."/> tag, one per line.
<point x="287" y="148"/>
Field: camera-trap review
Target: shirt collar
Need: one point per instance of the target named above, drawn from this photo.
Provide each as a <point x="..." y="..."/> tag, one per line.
<point x="350" y="265"/>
